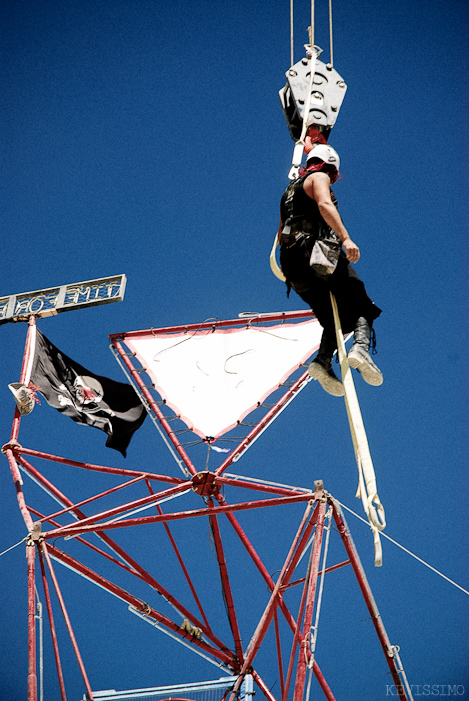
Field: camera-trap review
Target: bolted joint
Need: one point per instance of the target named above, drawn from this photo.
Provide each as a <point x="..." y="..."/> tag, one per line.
<point x="35" y="534"/>
<point x="146" y="609"/>
<point x="204" y="483"/>
<point x="319" y="492"/>
<point x="11" y="445"/>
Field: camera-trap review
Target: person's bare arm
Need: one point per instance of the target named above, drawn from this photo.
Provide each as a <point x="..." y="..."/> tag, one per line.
<point x="317" y="186"/>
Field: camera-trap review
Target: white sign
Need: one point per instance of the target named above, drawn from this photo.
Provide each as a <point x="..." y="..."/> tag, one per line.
<point x="53" y="300"/>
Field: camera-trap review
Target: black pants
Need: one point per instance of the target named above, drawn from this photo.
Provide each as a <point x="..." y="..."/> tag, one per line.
<point x="344" y="283"/>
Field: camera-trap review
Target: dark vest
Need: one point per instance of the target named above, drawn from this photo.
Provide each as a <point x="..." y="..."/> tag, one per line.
<point x="300" y="214"/>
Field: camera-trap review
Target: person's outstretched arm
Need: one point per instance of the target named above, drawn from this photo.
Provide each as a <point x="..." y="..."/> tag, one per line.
<point x="317" y="186"/>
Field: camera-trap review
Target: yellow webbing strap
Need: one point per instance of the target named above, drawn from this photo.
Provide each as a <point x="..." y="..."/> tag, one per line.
<point x="367" y="489"/>
<point x="273" y="262"/>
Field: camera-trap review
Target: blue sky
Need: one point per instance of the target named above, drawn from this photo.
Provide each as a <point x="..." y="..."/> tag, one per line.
<point x="146" y="138"/>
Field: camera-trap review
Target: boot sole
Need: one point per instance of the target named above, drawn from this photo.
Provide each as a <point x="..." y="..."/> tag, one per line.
<point x="371" y="375"/>
<point x="329" y="385"/>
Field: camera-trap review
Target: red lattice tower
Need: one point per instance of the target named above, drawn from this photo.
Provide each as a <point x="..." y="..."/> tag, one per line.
<point x="213" y="495"/>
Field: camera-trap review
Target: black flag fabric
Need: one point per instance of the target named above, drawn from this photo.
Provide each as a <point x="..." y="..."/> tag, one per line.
<point x="90" y="399"/>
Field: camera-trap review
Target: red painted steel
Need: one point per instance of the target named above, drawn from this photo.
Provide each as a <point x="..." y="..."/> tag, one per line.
<point x="279" y="655"/>
<point x="50" y="614"/>
<point x="95" y="498"/>
<point x="263" y="686"/>
<point x="19" y="489"/>
<point x="67" y="622"/>
<point x="270" y="583"/>
<point x="32" y="677"/>
<point x="322" y="683"/>
<point x="20" y="450"/>
<point x="296" y="638"/>
<point x="145" y="520"/>
<point x="225" y="655"/>
<point x="297" y="630"/>
<point x="138" y="570"/>
<point x="257" y="561"/>
<point x="213" y="325"/>
<point x="328" y="569"/>
<point x="78" y="539"/>
<point x="204" y="483"/>
<point x="257" y="486"/>
<point x="269" y="611"/>
<point x="228" y="596"/>
<point x="211" y="645"/>
<point x="263" y="423"/>
<point x="368" y="596"/>
<point x="303" y="656"/>
<point x="91" y="520"/>
<point x="281" y="585"/>
<point x="158" y="413"/>
<point x="183" y="566"/>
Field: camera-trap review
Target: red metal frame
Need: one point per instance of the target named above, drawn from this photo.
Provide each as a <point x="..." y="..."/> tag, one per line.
<point x="199" y="633"/>
<point x="55" y="645"/>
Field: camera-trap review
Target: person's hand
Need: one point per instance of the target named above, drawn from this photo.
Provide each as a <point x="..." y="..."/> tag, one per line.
<point x="352" y="250"/>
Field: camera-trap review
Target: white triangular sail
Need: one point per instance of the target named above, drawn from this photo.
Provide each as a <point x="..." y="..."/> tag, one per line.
<point x="213" y="378"/>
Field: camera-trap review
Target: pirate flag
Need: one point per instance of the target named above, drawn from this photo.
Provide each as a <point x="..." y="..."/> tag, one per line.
<point x="90" y="399"/>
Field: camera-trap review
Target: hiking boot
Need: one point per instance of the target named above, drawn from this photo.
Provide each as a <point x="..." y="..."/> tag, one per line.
<point x="326" y="377"/>
<point x="321" y="367"/>
<point x="359" y="357"/>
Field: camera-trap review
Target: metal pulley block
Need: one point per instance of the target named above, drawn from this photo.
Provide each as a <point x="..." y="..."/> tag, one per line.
<point x="327" y="93"/>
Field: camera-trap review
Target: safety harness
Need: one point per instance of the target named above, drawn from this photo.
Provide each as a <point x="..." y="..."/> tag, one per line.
<point x="297" y="226"/>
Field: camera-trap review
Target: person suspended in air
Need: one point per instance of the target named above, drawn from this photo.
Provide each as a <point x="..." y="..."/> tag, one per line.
<point x="308" y="211"/>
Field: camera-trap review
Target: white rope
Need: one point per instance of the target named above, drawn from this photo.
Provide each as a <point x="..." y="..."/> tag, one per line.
<point x="331" y="60"/>
<point x="409" y="552"/>
<point x="13" y="546"/>
<point x="367" y="488"/>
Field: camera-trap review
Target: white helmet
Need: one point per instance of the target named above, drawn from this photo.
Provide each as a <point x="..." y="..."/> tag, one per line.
<point x="325" y="153"/>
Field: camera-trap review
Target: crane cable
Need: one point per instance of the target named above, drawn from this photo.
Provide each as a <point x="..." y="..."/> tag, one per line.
<point x="292" y="50"/>
<point x="311" y="33"/>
